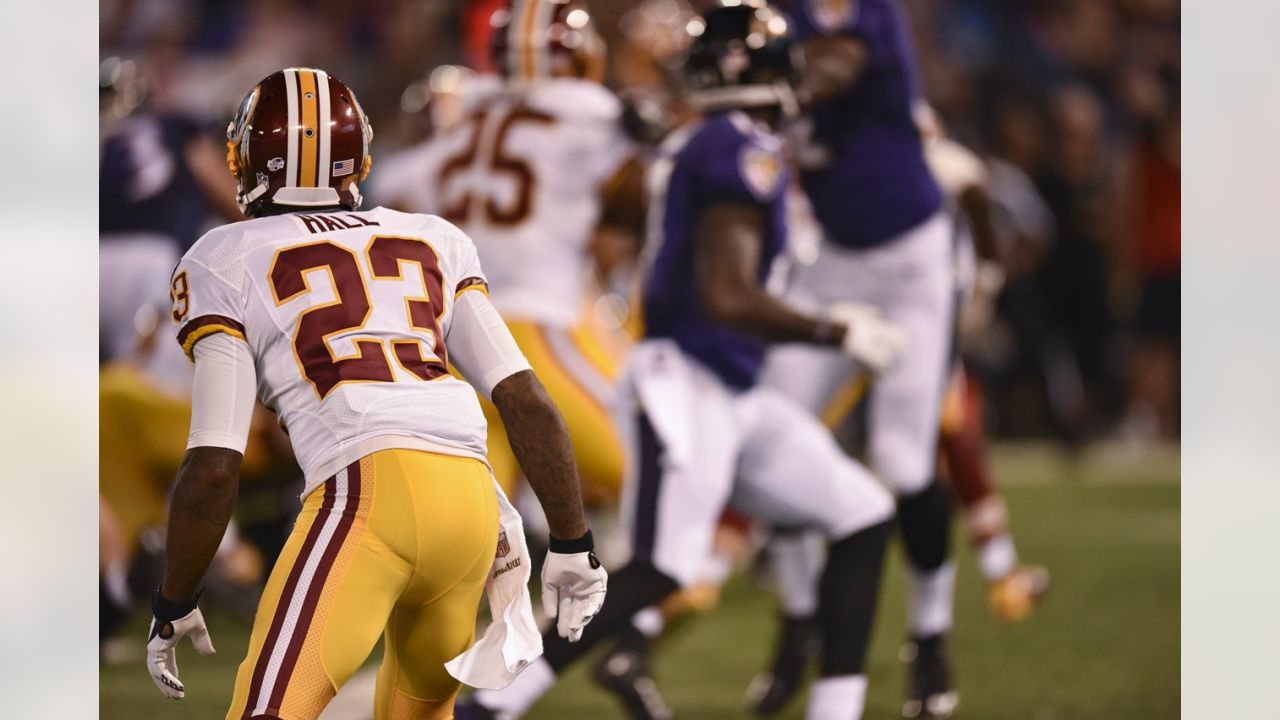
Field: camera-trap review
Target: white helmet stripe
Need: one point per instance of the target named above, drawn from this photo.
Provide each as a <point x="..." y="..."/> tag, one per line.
<point x="515" y="40"/>
<point x="291" y="95"/>
<point x="544" y="13"/>
<point x="322" y="95"/>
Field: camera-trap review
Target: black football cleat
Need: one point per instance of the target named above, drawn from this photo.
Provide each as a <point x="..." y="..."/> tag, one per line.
<point x="771" y="690"/>
<point x="623" y="671"/>
<point x="929" y="695"/>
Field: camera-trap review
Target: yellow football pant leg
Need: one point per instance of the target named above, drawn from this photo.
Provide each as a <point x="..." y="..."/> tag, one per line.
<point x="577" y="368"/>
<point x="400" y="537"/>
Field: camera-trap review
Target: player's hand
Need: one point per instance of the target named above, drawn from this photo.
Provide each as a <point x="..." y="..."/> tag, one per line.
<point x="573" y="585"/>
<point x="170" y="622"/>
<point x="869" y="338"/>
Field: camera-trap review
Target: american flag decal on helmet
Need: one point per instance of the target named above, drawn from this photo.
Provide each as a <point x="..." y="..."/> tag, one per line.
<point x="343" y="167"/>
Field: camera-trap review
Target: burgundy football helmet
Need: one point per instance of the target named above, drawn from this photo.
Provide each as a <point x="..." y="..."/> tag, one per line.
<point x="299" y="139"/>
<point x="535" y="39"/>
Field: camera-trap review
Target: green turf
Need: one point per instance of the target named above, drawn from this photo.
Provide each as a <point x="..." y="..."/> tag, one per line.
<point x="1104" y="645"/>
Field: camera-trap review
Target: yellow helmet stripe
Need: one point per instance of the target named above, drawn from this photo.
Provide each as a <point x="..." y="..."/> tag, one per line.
<point x="310" y="129"/>
<point x="529" y="33"/>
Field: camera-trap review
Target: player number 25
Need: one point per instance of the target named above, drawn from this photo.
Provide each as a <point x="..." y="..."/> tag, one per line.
<point x="388" y="257"/>
<point x="498" y="161"/>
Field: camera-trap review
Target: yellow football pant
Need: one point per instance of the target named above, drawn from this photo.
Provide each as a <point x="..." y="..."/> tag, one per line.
<point x="399" y="543"/>
<point x="142" y="435"/>
<point x="580" y="369"/>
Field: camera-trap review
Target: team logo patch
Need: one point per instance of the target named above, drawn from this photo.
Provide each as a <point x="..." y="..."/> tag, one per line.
<point x="762" y="170"/>
<point x="504" y="547"/>
<point x="343" y="167"/>
<point x="832" y="15"/>
<point x="275" y="164"/>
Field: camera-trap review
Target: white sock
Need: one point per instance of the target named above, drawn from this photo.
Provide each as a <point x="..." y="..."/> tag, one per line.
<point x="837" y="698"/>
<point x="932" y="595"/>
<point x="649" y="622"/>
<point x="116" y="581"/>
<point x="997" y="557"/>
<point x="523" y="692"/>
<point x="797" y="566"/>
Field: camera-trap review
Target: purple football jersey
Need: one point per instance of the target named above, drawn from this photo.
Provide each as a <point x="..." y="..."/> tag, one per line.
<point x="725" y="158"/>
<point x="872" y="182"/>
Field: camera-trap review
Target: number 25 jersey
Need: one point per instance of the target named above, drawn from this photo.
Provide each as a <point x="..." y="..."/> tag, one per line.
<point x="523" y="175"/>
<point x="347" y="316"/>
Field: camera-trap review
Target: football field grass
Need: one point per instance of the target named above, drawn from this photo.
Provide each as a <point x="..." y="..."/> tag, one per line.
<point x="1104" y="645"/>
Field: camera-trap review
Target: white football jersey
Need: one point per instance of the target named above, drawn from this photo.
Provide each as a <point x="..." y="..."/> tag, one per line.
<point x="523" y="174"/>
<point x="347" y="315"/>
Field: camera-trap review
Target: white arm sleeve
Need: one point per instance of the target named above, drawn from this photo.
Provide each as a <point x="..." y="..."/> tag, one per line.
<point x="480" y="343"/>
<point x="223" y="393"/>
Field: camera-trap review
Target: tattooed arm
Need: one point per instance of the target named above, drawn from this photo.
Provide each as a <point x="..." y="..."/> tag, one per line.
<point x="203" y="500"/>
<point x="540" y="441"/>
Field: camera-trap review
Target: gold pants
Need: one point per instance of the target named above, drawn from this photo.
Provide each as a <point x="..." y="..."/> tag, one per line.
<point x="398" y="544"/>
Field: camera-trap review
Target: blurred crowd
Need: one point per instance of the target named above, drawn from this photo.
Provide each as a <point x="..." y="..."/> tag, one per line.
<point x="1073" y="103"/>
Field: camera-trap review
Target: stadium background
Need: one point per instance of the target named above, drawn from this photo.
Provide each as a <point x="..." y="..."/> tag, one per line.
<point x="1081" y="97"/>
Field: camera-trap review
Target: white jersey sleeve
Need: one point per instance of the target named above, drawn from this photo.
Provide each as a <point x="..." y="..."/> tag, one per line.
<point x="208" y="297"/>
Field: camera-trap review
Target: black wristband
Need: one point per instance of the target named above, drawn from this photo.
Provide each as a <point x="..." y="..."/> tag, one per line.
<point x="166" y="610"/>
<point x="571" y="547"/>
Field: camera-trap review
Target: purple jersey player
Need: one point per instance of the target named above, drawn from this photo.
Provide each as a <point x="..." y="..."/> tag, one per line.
<point x="727" y="158"/>
<point x="701" y="433"/>
<point x="886" y="243"/>
<point x="866" y="175"/>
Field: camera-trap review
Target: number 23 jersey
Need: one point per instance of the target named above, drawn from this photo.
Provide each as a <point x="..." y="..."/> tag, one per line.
<point x="347" y="316"/>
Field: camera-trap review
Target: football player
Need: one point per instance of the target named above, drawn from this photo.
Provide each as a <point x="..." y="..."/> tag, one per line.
<point x="887" y="243"/>
<point x="345" y="323"/>
<point x="1012" y="588"/>
<point x="701" y="432"/>
<point x="160" y="177"/>
<point x="536" y="165"/>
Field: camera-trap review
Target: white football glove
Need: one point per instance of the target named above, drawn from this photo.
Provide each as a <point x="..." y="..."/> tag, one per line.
<point x="573" y="587"/>
<point x="869" y="338"/>
<point x="170" y="622"/>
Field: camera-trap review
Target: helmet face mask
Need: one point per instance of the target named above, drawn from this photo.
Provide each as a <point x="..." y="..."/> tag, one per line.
<point x="299" y="139"/>
<point x="741" y="56"/>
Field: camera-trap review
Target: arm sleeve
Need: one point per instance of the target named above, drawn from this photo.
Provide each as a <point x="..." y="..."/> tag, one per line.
<point x="481" y="345"/>
<point x="222" y="395"/>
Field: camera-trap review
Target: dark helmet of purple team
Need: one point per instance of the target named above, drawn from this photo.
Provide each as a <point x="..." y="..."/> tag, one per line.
<point x="741" y="55"/>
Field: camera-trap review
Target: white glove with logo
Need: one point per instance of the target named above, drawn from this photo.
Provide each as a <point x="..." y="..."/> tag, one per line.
<point x="170" y="622"/>
<point x="869" y="338"/>
<point x="573" y="585"/>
